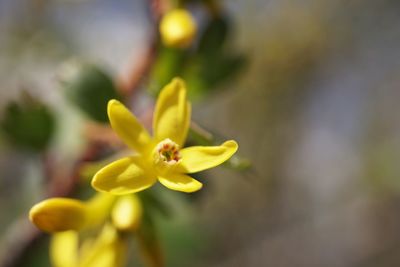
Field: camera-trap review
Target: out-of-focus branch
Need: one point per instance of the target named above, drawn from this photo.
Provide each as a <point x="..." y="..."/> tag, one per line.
<point x="130" y="81"/>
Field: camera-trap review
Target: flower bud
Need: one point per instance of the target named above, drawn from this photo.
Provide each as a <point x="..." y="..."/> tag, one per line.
<point x="127" y="213"/>
<point x="58" y="214"/>
<point x="178" y="28"/>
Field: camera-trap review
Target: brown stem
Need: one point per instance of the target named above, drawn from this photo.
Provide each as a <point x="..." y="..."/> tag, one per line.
<point x="135" y="74"/>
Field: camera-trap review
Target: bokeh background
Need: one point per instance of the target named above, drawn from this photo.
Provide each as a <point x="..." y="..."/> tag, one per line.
<point x="315" y="110"/>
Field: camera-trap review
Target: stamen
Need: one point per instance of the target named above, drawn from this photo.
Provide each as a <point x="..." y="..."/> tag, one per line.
<point x="167" y="152"/>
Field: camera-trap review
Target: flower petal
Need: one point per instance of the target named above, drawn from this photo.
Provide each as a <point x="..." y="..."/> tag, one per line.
<point x="198" y="158"/>
<point x="64" y="249"/>
<point x="127" y="127"/>
<point x="172" y="113"/>
<point x="180" y="182"/>
<point x="58" y="214"/>
<point x="123" y="176"/>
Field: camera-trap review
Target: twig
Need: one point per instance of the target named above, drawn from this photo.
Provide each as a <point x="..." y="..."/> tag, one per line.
<point x="130" y="82"/>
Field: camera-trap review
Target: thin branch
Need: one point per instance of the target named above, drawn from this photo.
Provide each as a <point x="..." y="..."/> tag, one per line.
<point x="130" y="82"/>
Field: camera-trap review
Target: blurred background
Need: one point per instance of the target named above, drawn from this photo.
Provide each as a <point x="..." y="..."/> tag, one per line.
<point x="311" y="102"/>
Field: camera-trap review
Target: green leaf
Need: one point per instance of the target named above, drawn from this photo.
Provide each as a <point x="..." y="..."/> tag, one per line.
<point x="222" y="68"/>
<point x="214" y="36"/>
<point x="28" y="124"/>
<point x="89" y="88"/>
<point x="204" y="74"/>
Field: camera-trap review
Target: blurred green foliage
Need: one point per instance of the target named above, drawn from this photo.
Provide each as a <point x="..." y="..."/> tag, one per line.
<point x="89" y="88"/>
<point x="38" y="255"/>
<point x="28" y="123"/>
<point x="168" y="63"/>
<point x="149" y="245"/>
<point x="214" y="35"/>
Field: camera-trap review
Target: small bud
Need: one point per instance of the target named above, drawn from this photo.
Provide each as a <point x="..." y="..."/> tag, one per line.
<point x="58" y="214"/>
<point x="127" y="213"/>
<point x="178" y="28"/>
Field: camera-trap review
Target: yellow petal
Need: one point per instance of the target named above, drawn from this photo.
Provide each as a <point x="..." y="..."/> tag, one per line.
<point x="180" y="182"/>
<point x="127" y="213"/>
<point x="172" y="113"/>
<point x="123" y="176"/>
<point x="198" y="158"/>
<point x="127" y="126"/>
<point x="64" y="249"/>
<point x="58" y="214"/>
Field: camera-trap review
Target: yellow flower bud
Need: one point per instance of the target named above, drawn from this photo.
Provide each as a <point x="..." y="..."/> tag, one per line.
<point x="178" y="28"/>
<point x="58" y="214"/>
<point x="127" y="213"/>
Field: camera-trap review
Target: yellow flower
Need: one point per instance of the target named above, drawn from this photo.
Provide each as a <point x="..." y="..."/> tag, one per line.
<point x="159" y="157"/>
<point x="178" y="28"/>
<point x="62" y="214"/>
<point x="108" y="249"/>
<point x="71" y="220"/>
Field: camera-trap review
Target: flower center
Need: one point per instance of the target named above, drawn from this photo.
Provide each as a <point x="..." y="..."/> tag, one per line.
<point x="167" y="151"/>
